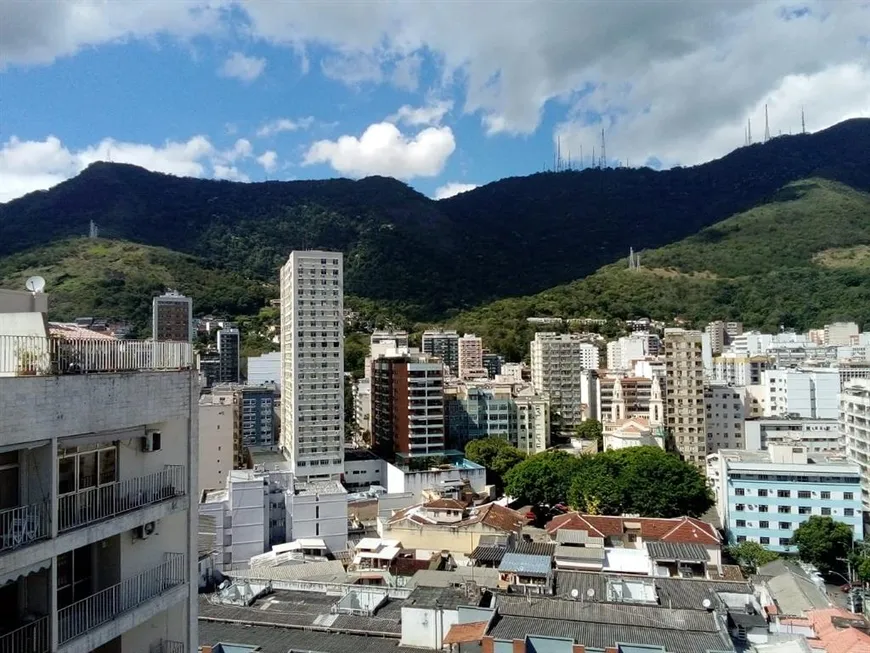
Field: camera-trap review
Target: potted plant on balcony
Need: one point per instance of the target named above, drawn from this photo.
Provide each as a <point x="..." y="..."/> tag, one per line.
<point x="28" y="361"/>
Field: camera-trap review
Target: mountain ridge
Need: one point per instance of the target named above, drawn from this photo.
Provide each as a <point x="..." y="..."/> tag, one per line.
<point x="512" y="237"/>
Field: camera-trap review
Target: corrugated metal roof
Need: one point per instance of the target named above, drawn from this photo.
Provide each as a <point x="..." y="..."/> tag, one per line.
<point x="534" y="548"/>
<point x="677" y="551"/>
<point x="593" y="553"/>
<point x="483" y="576"/>
<point x="304" y="571"/>
<point x="488" y="553"/>
<point x="526" y="564"/>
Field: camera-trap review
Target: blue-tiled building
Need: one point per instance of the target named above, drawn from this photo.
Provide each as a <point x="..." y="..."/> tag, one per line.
<point x="764" y="496"/>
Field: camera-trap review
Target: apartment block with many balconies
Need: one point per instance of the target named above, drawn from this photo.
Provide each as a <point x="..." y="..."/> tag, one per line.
<point x="855" y="428"/>
<point x="98" y="438"/>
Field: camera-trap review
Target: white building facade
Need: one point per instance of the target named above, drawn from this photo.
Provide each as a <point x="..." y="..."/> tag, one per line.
<point x="312" y="360"/>
<point x="855" y="427"/>
<point x="806" y="392"/>
<point x="98" y="469"/>
<point x="558" y="365"/>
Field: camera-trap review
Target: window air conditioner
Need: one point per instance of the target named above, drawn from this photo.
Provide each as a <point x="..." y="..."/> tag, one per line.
<point x="145" y="531"/>
<point x="151" y="441"/>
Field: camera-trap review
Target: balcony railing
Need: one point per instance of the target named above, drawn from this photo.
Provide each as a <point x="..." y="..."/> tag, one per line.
<point x="41" y="356"/>
<point x="22" y="525"/>
<point x="167" y="646"/>
<point x="100" y="608"/>
<point x="98" y="503"/>
<point x="31" y="638"/>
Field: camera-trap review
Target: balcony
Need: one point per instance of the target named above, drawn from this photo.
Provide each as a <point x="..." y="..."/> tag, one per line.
<point x="165" y="646"/>
<point x="30" y="638"/>
<point x="104" y="502"/>
<point x="102" y="607"/>
<point x="22" y="525"/>
<point x="58" y="355"/>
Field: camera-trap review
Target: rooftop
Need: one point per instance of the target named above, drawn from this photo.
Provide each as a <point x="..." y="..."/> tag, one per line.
<point x="525" y="564"/>
<point x="680" y="529"/>
<point x="353" y="453"/>
<point x="741" y="458"/>
<point x="447" y="598"/>
<point x="311" y="488"/>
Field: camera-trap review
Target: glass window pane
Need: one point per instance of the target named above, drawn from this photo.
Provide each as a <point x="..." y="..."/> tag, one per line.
<point x="87" y="470"/>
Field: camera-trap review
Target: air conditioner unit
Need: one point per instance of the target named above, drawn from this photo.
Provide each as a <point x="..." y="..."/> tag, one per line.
<point x="144" y="531"/>
<point x="151" y="441"/>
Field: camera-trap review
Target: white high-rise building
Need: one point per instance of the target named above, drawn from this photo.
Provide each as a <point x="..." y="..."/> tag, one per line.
<point x="312" y="363"/>
<point x="807" y="392"/>
<point x="559" y="363"/>
<point x="855" y="428"/>
<point x="98" y="468"/>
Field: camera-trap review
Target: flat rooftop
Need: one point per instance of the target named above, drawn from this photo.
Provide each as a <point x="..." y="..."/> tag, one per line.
<point x="351" y="454"/>
<point x="763" y="457"/>
<point x="309" y="488"/>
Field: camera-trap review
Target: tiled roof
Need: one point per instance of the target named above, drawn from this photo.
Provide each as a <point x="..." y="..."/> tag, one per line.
<point x="677" y="551"/>
<point x="534" y="548"/>
<point x="77" y="332"/>
<point x="488" y="553"/>
<point x="680" y="529"/>
<point x="590" y="553"/>
<point x="465" y="633"/>
<point x="491" y="514"/>
<point x="445" y="504"/>
<point x="838" y="639"/>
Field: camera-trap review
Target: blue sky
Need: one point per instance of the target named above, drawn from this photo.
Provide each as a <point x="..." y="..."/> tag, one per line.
<point x="444" y="100"/>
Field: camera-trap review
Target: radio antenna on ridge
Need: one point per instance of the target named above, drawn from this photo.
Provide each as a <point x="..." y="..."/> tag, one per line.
<point x="803" y="121"/>
<point x="766" y="126"/>
<point x="603" y="150"/>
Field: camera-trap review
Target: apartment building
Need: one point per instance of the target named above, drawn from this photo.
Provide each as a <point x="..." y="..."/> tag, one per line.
<point x="726" y="408"/>
<point x="362" y="404"/>
<point x="634" y="394"/>
<point x="312" y="363"/>
<point x="217" y="439"/>
<point x="854" y="424"/>
<point x="809" y="392"/>
<point x="229" y="344"/>
<point x="265" y="368"/>
<point x="842" y="333"/>
<point x="763" y="496"/>
<point x="444" y="345"/>
<point x="816" y="435"/>
<point x="739" y="370"/>
<point x="172" y="317"/>
<point x="685" y="407"/>
<point x="558" y="365"/>
<point x="492" y="363"/>
<point x="98" y="459"/>
<point x="470" y="352"/>
<point x="397" y="339"/>
<point x="407" y="395"/>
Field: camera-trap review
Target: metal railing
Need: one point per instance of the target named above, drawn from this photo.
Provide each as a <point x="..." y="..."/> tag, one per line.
<point x="106" y="501"/>
<point x="22" y="525"/>
<point x="53" y="355"/>
<point x="30" y="638"/>
<point x="167" y="646"/>
<point x="105" y="605"/>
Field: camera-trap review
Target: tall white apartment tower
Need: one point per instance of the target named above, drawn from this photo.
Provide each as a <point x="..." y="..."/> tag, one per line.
<point x="312" y="363"/>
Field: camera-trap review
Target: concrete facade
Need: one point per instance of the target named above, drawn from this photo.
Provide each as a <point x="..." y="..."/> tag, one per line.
<point x="685" y="407"/>
<point x="216" y="430"/>
<point x="558" y="365"/>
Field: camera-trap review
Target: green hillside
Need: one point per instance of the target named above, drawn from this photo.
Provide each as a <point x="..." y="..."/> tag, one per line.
<point x="799" y="260"/>
<point x="116" y="279"/>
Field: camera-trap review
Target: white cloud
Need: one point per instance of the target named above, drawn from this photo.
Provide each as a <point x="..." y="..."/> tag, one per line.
<point x="384" y="150"/>
<point x="269" y="160"/>
<point x="352" y="69"/>
<point x="452" y="188"/>
<point x="284" y="125"/>
<point x="26" y="166"/>
<point x="432" y="114"/>
<point x="241" y="67"/>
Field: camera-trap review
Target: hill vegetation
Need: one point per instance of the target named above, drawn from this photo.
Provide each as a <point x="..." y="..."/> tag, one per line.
<point x="424" y="259"/>
<point x="799" y="260"/>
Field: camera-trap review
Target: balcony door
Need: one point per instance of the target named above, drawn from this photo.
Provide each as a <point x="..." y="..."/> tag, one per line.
<point x="86" y="475"/>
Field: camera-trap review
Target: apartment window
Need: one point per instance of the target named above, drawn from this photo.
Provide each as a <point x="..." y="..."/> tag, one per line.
<point x="762" y="508"/>
<point x="762" y="493"/>
<point x="826" y="511"/>
<point x="741" y="523"/>
<point x="764" y="540"/>
<point x="848" y="496"/>
<point x="826" y="495"/>
<point x="783" y="494"/>
<point x="784" y="526"/>
<point x="740" y="492"/>
<point x="784" y="541"/>
<point x="741" y="539"/>
<point x="848" y="512"/>
<point x="739" y="507"/>
<point x="804" y="494"/>
<point x="804" y="510"/>
<point x="764" y="524"/>
<point x="784" y="509"/>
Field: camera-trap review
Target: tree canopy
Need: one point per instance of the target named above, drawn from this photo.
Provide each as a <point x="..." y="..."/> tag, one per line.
<point x="643" y="480"/>
<point x="590" y="429"/>
<point x="823" y="542"/>
<point x="543" y="478"/>
<point x="497" y="455"/>
<point x="751" y="555"/>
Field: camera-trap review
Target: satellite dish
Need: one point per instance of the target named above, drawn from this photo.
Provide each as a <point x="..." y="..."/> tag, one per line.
<point x="575" y="593"/>
<point x="35" y="284"/>
<point x="707" y="604"/>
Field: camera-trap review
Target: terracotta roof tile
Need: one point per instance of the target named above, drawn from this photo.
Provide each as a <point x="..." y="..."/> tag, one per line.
<point x="465" y="633"/>
<point x="445" y="504"/>
<point x="687" y="530"/>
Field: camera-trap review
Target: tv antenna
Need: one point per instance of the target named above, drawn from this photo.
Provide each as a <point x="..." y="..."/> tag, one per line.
<point x="749" y="131"/>
<point x="803" y="121"/>
<point x="766" y="126"/>
<point x="603" y="150"/>
<point x="35" y="284"/>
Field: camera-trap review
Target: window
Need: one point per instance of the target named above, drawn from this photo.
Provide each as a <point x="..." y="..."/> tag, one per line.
<point x="783" y="494"/>
<point x="741" y="523"/>
<point x="784" y="541"/>
<point x="804" y="510"/>
<point x="739" y="507"/>
<point x="762" y="493"/>
<point x="739" y="492"/>
<point x="764" y="524"/>
<point x="762" y="508"/>
<point x="848" y="512"/>
<point x="826" y="511"/>
<point x="848" y="496"/>
<point x="784" y="510"/>
<point x="741" y="539"/>
<point x="826" y="495"/>
<point x="784" y="526"/>
<point x="764" y="540"/>
<point x="803" y="494"/>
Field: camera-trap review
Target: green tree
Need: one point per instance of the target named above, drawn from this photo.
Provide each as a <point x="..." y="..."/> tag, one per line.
<point x="543" y="478"/>
<point x="590" y="429"/>
<point x="643" y="480"/>
<point x="823" y="542"/>
<point x="751" y="555"/>
<point x="497" y="455"/>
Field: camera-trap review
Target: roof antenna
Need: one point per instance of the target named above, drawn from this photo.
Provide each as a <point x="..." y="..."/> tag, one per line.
<point x="749" y="131"/>
<point x="766" y="126"/>
<point x="803" y="121"/>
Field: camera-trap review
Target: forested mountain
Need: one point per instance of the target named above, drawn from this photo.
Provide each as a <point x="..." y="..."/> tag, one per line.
<point x="800" y="260"/>
<point x="430" y="259"/>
